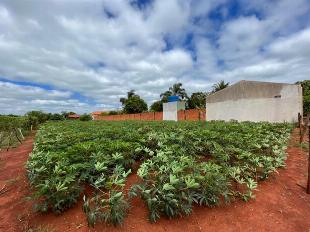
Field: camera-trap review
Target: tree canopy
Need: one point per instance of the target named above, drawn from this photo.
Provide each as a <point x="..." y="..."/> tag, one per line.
<point x="157" y="106"/>
<point x="133" y="103"/>
<point x="219" y="86"/>
<point x="306" y="95"/>
<point x="175" y="90"/>
<point x="197" y="100"/>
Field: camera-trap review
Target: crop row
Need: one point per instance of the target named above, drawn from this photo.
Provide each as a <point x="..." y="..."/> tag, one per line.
<point x="182" y="164"/>
<point x="12" y="130"/>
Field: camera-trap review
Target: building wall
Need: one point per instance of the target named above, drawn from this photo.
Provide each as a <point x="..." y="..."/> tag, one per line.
<point x="170" y="110"/>
<point x="282" y="105"/>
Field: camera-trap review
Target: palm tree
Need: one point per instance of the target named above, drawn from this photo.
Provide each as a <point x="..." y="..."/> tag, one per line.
<point x="219" y="86"/>
<point x="130" y="94"/>
<point x="176" y="90"/>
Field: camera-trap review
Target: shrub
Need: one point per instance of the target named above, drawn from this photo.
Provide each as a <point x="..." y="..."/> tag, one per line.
<point x="85" y="117"/>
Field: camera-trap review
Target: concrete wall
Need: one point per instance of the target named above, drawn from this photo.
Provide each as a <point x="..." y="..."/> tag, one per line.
<point x="270" y="102"/>
<point x="170" y="110"/>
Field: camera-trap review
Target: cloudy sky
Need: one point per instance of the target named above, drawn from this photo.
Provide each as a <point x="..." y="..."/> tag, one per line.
<point x="83" y="55"/>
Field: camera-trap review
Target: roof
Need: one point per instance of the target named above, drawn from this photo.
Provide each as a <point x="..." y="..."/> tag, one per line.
<point x="73" y="116"/>
<point x="97" y="113"/>
<point x="248" y="89"/>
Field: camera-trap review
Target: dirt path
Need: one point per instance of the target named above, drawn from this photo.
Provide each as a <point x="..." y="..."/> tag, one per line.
<point x="14" y="208"/>
<point x="281" y="204"/>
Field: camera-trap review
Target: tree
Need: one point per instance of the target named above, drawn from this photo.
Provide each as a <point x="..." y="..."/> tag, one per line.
<point x="36" y="117"/>
<point x="114" y="112"/>
<point x="133" y="103"/>
<point x="157" y="106"/>
<point x="197" y="100"/>
<point x="56" y="117"/>
<point x="306" y="95"/>
<point x="85" y="117"/>
<point x="219" y="86"/>
<point x="66" y="114"/>
<point x="175" y="90"/>
<point x="130" y="94"/>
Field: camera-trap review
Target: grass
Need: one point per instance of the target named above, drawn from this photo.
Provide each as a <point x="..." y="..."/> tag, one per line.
<point x="304" y="145"/>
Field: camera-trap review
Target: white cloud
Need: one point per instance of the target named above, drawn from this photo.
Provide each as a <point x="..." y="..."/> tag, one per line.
<point x="101" y="49"/>
<point x="20" y="99"/>
<point x="296" y="45"/>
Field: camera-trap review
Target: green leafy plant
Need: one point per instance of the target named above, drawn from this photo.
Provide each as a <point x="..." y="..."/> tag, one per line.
<point x="180" y="165"/>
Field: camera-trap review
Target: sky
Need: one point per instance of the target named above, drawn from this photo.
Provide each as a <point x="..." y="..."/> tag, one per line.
<point x="84" y="55"/>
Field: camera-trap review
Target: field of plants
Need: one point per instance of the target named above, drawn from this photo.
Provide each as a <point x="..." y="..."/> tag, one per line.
<point x="179" y="164"/>
<point x="12" y="130"/>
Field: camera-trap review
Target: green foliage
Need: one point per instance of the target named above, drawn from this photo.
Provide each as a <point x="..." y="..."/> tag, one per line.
<point x="182" y="164"/>
<point x="219" y="86"/>
<point x="175" y="90"/>
<point x="104" y="113"/>
<point x="197" y="101"/>
<point x="114" y="112"/>
<point x="109" y="206"/>
<point x="65" y="114"/>
<point x="133" y="103"/>
<point x="36" y="117"/>
<point x="157" y="106"/>
<point x="306" y="95"/>
<point x="12" y="130"/>
<point x="85" y="117"/>
<point x="7" y="123"/>
<point x="56" y="117"/>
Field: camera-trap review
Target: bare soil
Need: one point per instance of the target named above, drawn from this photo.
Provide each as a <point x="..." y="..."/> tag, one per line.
<point x="281" y="203"/>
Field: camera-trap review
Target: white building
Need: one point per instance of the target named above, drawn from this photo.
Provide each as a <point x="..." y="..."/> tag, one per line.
<point x="170" y="110"/>
<point x="256" y="101"/>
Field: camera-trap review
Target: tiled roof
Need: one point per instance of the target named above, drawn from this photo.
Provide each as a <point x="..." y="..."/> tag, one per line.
<point x="73" y="116"/>
<point x="97" y="113"/>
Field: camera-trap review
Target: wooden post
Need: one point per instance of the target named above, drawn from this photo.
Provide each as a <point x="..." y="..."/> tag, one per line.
<point x="21" y="133"/>
<point x="300" y="128"/>
<point x="154" y="116"/>
<point x="308" y="183"/>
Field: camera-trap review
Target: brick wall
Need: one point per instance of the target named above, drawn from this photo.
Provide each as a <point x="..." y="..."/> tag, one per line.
<point x="183" y="115"/>
<point x="192" y="115"/>
<point x="187" y="115"/>
<point x="148" y="116"/>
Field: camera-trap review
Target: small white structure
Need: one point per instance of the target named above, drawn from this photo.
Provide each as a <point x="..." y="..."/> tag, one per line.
<point x="256" y="101"/>
<point x="170" y="110"/>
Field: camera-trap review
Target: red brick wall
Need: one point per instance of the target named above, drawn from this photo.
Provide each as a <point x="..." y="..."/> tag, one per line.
<point x="187" y="115"/>
<point x="192" y="115"/>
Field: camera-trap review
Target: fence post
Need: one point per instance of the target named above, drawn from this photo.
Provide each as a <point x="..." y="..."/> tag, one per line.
<point x="184" y="115"/>
<point x="300" y="128"/>
<point x="308" y="183"/>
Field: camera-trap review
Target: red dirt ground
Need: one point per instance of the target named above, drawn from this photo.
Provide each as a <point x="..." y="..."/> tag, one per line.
<point x="281" y="203"/>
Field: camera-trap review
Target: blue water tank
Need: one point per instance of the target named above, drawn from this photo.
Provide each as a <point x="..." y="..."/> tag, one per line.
<point x="173" y="98"/>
